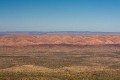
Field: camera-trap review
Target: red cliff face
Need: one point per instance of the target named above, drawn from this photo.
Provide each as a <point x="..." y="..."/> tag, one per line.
<point x="24" y="39"/>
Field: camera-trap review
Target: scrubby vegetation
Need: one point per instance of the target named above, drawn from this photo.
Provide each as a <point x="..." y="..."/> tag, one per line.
<point x="60" y="62"/>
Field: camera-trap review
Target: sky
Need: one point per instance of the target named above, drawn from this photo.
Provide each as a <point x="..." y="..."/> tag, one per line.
<point x="60" y="15"/>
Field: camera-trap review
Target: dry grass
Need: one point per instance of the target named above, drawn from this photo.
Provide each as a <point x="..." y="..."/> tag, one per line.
<point x="60" y="62"/>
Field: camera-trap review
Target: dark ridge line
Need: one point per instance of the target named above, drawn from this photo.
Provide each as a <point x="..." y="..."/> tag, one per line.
<point x="62" y="45"/>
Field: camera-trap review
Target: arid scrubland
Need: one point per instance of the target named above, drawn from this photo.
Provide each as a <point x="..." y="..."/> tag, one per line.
<point x="60" y="62"/>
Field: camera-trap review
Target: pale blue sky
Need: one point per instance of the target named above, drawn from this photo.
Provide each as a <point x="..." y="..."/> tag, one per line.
<point x="60" y="15"/>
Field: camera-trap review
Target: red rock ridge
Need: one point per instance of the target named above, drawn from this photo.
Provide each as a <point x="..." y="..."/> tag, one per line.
<point x="24" y="39"/>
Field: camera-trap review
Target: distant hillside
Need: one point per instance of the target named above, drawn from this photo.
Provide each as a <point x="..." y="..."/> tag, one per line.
<point x="74" y="39"/>
<point x="55" y="32"/>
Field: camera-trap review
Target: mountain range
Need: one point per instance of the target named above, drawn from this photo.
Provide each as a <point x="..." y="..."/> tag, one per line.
<point x="71" y="39"/>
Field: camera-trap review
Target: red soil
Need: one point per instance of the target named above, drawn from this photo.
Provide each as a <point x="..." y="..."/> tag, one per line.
<point x="24" y="39"/>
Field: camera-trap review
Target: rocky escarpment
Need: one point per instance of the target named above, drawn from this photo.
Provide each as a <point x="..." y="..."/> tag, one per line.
<point x="24" y="39"/>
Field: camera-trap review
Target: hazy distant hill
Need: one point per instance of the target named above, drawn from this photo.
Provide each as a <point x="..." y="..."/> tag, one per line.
<point x="56" y="32"/>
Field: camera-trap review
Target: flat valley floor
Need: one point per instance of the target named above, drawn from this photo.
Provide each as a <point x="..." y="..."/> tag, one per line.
<point x="60" y="62"/>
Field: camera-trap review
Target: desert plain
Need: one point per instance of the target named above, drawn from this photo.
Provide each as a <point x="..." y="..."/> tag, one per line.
<point x="60" y="57"/>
